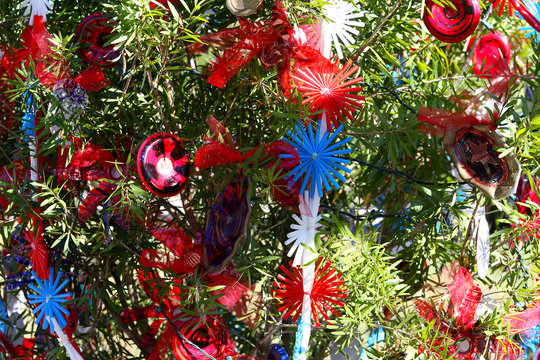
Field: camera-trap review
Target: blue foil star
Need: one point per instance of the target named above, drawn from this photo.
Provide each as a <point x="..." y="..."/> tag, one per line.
<point x="49" y="300"/>
<point x="319" y="161"/>
<point x="534" y="10"/>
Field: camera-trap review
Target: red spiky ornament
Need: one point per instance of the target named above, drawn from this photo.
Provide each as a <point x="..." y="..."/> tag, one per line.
<point x="328" y="288"/>
<point x="39" y="252"/>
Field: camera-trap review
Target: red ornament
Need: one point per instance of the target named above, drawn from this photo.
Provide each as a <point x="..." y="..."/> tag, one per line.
<point x="92" y="35"/>
<point x="454" y="328"/>
<point x="39" y="252"/>
<point x="328" y="288"/>
<point x="501" y="3"/>
<point x="492" y="55"/>
<point x="452" y="25"/>
<point x="163" y="164"/>
<point x="329" y="91"/>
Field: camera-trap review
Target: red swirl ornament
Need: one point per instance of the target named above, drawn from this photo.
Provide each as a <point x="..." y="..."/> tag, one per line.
<point x="92" y="35"/>
<point x="452" y="24"/>
<point x="163" y="164"/>
<point x="492" y="55"/>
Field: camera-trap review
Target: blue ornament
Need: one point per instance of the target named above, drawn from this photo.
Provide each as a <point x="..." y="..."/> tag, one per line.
<point x="71" y="96"/>
<point x="318" y="155"/>
<point x="29" y="114"/>
<point x="49" y="300"/>
<point x="277" y="352"/>
<point x="534" y="9"/>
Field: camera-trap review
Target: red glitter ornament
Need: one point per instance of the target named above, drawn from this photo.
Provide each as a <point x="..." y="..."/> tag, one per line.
<point x="329" y="91"/>
<point x="328" y="287"/>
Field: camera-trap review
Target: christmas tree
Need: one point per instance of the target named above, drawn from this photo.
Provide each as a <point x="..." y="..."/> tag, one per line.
<point x="269" y="180"/>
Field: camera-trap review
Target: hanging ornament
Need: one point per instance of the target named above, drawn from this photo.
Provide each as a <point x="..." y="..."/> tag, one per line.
<point x="92" y="35"/>
<point x="302" y="237"/>
<point x="473" y="151"/>
<point x="49" y="300"/>
<point x="209" y="335"/>
<point x="339" y="26"/>
<point x="319" y="158"/>
<point x="163" y="164"/>
<point x="501" y="4"/>
<point x="452" y="23"/>
<point x="492" y="55"/>
<point x="329" y="92"/>
<point x="36" y="8"/>
<point x="277" y="352"/>
<point x="328" y="287"/>
<point x="243" y="7"/>
<point x="530" y="12"/>
<point x="226" y="223"/>
<point x="71" y="96"/>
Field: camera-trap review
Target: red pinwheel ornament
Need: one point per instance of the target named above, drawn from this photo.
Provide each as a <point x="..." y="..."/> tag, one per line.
<point x="329" y="91"/>
<point x="328" y="289"/>
<point x="39" y="252"/>
<point x="454" y="328"/>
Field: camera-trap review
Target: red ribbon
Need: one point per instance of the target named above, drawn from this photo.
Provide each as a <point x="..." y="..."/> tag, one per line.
<point x="270" y="40"/>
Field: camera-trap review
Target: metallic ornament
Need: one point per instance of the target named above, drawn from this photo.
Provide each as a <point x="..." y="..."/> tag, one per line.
<point x="92" y="35"/>
<point x="452" y="24"/>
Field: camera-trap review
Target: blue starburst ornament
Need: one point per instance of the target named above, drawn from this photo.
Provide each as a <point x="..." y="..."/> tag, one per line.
<point x="533" y="7"/>
<point x="319" y="158"/>
<point x="3" y="316"/>
<point x="49" y="300"/>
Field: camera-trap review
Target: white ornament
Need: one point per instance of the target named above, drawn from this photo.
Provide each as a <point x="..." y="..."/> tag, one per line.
<point x="483" y="245"/>
<point x="36" y="8"/>
<point x="339" y="26"/>
<point x="303" y="235"/>
<point x="64" y="341"/>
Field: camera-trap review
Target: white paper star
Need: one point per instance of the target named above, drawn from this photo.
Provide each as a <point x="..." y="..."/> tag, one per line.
<point x="305" y="229"/>
<point x="36" y="8"/>
<point x="339" y="26"/>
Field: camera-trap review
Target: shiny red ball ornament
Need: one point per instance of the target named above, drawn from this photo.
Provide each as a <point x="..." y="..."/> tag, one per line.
<point x="92" y="35"/>
<point x="163" y="164"/>
<point x="452" y="24"/>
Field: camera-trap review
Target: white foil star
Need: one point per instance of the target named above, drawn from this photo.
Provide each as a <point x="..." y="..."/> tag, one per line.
<point x="339" y="25"/>
<point x="304" y="231"/>
<point x="36" y="8"/>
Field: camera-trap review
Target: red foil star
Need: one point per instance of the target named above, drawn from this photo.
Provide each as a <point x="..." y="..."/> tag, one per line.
<point x="329" y="91"/>
<point x="328" y="288"/>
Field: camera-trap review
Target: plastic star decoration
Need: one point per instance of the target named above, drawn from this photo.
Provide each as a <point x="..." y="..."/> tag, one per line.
<point x="339" y="26"/>
<point x="328" y="288"/>
<point x="36" y="8"/>
<point x="304" y="230"/>
<point x="329" y="92"/>
<point x="319" y="161"/>
<point x="49" y="300"/>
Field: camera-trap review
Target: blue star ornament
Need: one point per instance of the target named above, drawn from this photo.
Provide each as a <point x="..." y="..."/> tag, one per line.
<point x="319" y="158"/>
<point x="49" y="300"/>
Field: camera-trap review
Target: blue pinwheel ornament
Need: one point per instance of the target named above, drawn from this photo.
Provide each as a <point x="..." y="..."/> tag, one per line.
<point x="319" y="157"/>
<point x="49" y="300"/>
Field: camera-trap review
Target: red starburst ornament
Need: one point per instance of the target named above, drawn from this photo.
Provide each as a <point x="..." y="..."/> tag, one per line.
<point x="501" y="3"/>
<point x="329" y="92"/>
<point x="39" y="252"/>
<point x="328" y="288"/>
<point x="454" y="330"/>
